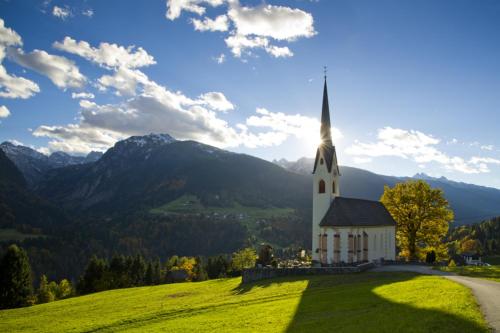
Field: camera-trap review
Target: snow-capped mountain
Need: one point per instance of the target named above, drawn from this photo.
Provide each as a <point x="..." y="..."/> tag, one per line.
<point x="34" y="164"/>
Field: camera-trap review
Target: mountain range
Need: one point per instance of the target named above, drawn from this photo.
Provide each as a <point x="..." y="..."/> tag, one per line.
<point x="144" y="172"/>
<point x="159" y="196"/>
<point x="34" y="164"/>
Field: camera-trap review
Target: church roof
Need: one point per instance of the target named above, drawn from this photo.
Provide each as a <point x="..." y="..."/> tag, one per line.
<point x="356" y="212"/>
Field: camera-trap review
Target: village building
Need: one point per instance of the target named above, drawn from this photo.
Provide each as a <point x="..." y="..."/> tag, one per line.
<point x="345" y="230"/>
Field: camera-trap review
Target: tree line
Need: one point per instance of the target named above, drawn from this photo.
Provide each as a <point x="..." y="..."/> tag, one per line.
<point x="482" y="238"/>
<point x="16" y="281"/>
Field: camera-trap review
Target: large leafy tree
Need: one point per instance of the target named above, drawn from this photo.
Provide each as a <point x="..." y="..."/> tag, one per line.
<point x="422" y="215"/>
<point x="244" y="259"/>
<point x="16" y="287"/>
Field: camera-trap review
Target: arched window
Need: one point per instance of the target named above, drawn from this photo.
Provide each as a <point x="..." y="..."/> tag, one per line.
<point x="321" y="186"/>
<point x="333" y="187"/>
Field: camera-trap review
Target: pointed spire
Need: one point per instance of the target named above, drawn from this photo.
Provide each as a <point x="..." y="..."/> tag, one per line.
<point x="326" y="136"/>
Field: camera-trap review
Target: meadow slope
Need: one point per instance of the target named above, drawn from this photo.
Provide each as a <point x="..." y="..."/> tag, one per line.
<point x="367" y="302"/>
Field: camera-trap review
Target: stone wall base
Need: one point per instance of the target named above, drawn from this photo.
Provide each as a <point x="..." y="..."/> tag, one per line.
<point x="256" y="274"/>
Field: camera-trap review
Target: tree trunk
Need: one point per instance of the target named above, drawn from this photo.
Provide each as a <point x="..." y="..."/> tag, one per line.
<point x="412" y="247"/>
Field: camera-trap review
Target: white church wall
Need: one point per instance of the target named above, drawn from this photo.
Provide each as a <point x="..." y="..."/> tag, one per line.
<point x="321" y="202"/>
<point x="381" y="242"/>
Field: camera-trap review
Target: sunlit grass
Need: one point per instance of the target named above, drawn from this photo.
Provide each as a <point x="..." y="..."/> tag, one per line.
<point x="368" y="302"/>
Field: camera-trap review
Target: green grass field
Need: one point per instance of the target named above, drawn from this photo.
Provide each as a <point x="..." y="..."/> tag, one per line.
<point x="14" y="235"/>
<point x="485" y="272"/>
<point x="190" y="204"/>
<point x="367" y="302"/>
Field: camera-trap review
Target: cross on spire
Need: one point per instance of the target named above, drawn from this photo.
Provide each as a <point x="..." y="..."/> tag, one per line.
<point x="325" y="69"/>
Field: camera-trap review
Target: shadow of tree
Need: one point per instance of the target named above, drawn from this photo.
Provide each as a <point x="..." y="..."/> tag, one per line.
<point x="356" y="303"/>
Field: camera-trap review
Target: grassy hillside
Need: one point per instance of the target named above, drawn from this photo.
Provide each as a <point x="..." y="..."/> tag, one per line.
<point x="190" y="204"/>
<point x="368" y="302"/>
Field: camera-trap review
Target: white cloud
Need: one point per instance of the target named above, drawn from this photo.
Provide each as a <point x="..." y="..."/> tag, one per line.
<point x="75" y="138"/>
<point x="297" y="125"/>
<point x="107" y="55"/>
<point x="416" y="146"/>
<point x="88" y="12"/>
<point x="82" y="95"/>
<point x="220" y="23"/>
<point x="175" y="7"/>
<point x="152" y="108"/>
<point x="279" y="51"/>
<point x="487" y="147"/>
<point x="240" y="43"/>
<point x="86" y="104"/>
<point x="124" y="80"/>
<point x="8" y="37"/>
<point x="277" y="22"/>
<point x="4" y="111"/>
<point x="60" y="70"/>
<point x="253" y="27"/>
<point x="60" y="12"/>
<point x="12" y="86"/>
<point x="220" y="59"/>
<point x="216" y="101"/>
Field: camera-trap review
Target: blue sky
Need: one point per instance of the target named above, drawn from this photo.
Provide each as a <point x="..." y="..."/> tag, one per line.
<point x="414" y="85"/>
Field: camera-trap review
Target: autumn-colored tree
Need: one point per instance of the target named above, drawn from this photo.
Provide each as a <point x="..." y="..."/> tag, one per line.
<point x="45" y="294"/>
<point x="422" y="215"/>
<point x="471" y="245"/>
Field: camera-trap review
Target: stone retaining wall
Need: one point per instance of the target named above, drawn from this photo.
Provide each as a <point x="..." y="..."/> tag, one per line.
<point x="256" y="274"/>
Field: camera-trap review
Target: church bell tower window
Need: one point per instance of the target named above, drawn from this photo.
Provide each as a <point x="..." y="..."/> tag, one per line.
<point x="321" y="186"/>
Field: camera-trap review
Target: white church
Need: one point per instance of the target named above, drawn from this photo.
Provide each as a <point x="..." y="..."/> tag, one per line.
<point x="345" y="230"/>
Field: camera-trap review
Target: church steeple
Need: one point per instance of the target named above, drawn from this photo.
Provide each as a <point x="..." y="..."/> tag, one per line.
<point x="326" y="135"/>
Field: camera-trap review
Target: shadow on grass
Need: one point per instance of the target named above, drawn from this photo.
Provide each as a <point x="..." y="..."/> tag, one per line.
<point x="353" y="303"/>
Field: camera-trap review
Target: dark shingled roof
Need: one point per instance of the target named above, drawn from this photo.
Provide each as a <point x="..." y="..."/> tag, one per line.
<point x="356" y="212"/>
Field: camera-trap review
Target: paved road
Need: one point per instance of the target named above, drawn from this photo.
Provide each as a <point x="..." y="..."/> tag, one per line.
<point x="487" y="292"/>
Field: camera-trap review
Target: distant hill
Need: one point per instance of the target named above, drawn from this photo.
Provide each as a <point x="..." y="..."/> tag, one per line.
<point x="150" y="171"/>
<point x="34" y="164"/>
<point x="471" y="203"/>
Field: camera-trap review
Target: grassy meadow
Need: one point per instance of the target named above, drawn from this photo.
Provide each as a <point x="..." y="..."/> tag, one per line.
<point x="367" y="302"/>
<point x="190" y="204"/>
<point x="10" y="234"/>
<point x="485" y="272"/>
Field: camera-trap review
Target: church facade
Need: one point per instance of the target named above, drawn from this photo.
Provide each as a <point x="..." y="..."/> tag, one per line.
<point x="345" y="230"/>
